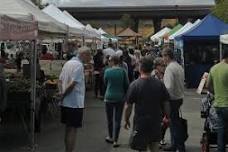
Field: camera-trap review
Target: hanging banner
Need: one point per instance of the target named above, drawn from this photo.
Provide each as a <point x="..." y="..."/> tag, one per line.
<point x="13" y="29"/>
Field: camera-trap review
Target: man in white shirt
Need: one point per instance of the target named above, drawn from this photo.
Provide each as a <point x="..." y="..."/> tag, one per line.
<point x="109" y="51"/>
<point x="174" y="82"/>
<point x="72" y="92"/>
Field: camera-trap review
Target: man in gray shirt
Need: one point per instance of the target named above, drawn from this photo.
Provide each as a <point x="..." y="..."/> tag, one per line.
<point x="174" y="82"/>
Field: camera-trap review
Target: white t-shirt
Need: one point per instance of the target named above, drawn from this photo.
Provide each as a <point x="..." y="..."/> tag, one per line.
<point x="24" y="61"/>
<point x="174" y="80"/>
<point x="73" y="70"/>
<point x="108" y="51"/>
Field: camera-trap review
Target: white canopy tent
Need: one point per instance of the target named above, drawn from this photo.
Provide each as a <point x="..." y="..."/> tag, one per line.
<point x="75" y="20"/>
<point x="178" y="43"/>
<point x="161" y="33"/>
<point x="86" y="33"/>
<point x="58" y="15"/>
<point x="104" y="38"/>
<point x="21" y="8"/>
<point x="223" y="40"/>
<point x="187" y="26"/>
<point x="93" y="32"/>
<point x="101" y="31"/>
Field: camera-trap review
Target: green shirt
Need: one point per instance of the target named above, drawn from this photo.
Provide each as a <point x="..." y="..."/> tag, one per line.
<point x="116" y="82"/>
<point x="219" y="77"/>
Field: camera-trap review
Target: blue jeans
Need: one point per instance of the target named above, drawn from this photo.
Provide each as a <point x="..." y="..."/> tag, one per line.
<point x="222" y="121"/>
<point x="174" y="123"/>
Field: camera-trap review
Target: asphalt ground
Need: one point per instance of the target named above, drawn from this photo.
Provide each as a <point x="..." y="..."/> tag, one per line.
<point x="90" y="138"/>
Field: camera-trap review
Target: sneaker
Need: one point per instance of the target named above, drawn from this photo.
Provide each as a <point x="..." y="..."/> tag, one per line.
<point x="162" y="142"/>
<point x="115" y="145"/>
<point x="109" y="140"/>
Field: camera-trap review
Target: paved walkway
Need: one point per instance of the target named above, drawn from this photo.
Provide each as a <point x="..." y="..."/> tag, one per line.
<point x="91" y="136"/>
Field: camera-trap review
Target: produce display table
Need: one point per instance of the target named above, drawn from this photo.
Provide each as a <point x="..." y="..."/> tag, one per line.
<point x="51" y="89"/>
<point x="18" y="105"/>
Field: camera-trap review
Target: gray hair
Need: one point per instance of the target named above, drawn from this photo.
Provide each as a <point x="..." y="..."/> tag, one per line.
<point x="158" y="61"/>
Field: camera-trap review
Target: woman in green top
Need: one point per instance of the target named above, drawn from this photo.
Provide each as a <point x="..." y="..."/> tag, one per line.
<point x="116" y="82"/>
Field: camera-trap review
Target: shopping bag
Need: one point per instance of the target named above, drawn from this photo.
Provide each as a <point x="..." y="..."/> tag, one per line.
<point x="182" y="135"/>
<point x="183" y="126"/>
<point x="137" y="141"/>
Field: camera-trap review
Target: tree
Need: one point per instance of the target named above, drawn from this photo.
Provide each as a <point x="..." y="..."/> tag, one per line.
<point x="127" y="21"/>
<point x="221" y="10"/>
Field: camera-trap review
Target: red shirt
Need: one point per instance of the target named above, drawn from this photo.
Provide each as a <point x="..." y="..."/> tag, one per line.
<point x="47" y="56"/>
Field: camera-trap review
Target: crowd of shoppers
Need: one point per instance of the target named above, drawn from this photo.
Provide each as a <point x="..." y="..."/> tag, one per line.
<point x="151" y="82"/>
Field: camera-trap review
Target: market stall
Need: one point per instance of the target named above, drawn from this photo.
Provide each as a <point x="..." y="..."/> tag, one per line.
<point x="201" y="48"/>
<point x="128" y="36"/>
<point x="17" y="30"/>
<point x="177" y="51"/>
<point x="46" y="24"/>
<point x="160" y="34"/>
<point x="47" y="28"/>
<point x="171" y="32"/>
<point x="186" y="26"/>
<point x="158" y="37"/>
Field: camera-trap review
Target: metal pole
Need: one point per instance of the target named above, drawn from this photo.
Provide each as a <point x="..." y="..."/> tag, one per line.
<point x="66" y="40"/>
<point x="83" y="41"/>
<point x="220" y="51"/>
<point x="33" y="94"/>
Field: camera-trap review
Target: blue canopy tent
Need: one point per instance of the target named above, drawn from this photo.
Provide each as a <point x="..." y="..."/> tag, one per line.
<point x="201" y="48"/>
<point x="210" y="28"/>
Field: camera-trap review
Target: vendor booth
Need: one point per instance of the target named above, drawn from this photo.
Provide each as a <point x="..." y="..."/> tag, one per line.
<point x="46" y="24"/>
<point x="201" y="48"/>
<point x="24" y="23"/>
<point x="186" y="26"/>
<point x="158" y="37"/>
<point x="178" y="43"/>
<point x="18" y="30"/>
<point x="128" y="36"/>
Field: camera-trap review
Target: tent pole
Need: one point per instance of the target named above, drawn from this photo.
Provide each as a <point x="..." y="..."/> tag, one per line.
<point x="66" y="40"/>
<point x="33" y="94"/>
<point x="220" y="51"/>
<point x="83" y="41"/>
